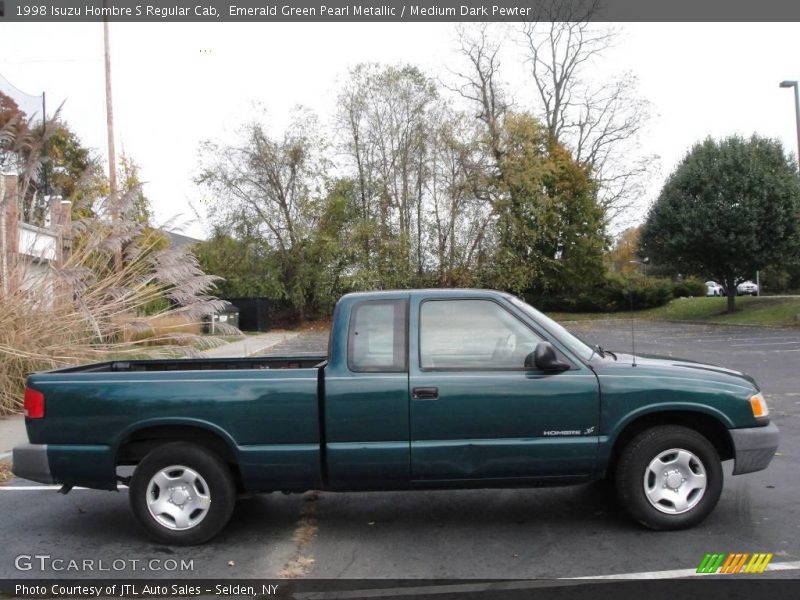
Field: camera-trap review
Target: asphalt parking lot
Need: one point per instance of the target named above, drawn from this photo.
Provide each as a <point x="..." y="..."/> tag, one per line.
<point x="531" y="533"/>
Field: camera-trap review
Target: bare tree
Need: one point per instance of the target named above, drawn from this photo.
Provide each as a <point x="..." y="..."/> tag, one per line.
<point x="384" y="116"/>
<point x="480" y="84"/>
<point x="458" y="219"/>
<point x="267" y="180"/>
<point x="600" y="124"/>
<point x="269" y="186"/>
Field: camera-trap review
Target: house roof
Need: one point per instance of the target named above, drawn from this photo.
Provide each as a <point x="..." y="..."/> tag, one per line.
<point x="178" y="240"/>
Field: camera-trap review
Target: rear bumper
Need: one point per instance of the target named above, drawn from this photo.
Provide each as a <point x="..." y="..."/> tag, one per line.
<point x="30" y="462"/>
<point x="754" y="447"/>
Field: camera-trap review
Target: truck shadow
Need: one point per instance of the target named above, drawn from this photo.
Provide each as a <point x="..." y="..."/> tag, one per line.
<point x="586" y="506"/>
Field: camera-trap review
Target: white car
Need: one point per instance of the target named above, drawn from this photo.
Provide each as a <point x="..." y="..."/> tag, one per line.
<point x="714" y="289"/>
<point x="747" y="287"/>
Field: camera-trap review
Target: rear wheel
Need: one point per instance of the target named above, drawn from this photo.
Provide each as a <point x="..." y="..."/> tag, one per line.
<point x="182" y="494"/>
<point x="669" y="477"/>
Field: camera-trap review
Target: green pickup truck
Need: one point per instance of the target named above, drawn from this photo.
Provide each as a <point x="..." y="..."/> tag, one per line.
<point x="420" y="389"/>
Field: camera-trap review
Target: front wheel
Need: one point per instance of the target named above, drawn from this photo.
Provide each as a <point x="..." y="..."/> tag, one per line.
<point x="669" y="477"/>
<point x="182" y="494"/>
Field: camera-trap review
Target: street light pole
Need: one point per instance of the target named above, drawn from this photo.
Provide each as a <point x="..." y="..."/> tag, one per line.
<point x="793" y="84"/>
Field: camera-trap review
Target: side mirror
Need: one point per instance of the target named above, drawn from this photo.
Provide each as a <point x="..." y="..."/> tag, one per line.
<point x="544" y="358"/>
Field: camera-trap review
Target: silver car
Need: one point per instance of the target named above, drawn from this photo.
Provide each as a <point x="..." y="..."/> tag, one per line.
<point x="747" y="287"/>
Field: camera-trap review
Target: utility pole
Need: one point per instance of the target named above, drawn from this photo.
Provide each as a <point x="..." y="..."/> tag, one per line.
<point x="112" y="154"/>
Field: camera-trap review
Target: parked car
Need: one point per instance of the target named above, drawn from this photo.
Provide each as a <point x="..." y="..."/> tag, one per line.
<point x="714" y="289"/>
<point x="747" y="287"/>
<point x="425" y="389"/>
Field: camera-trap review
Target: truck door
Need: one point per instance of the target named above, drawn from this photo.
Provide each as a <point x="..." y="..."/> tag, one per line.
<point x="477" y="413"/>
<point x="366" y="395"/>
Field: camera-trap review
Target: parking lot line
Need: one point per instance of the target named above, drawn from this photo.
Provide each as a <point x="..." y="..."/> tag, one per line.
<point x="765" y="344"/>
<point x="5" y="455"/>
<point x="37" y="488"/>
<point x="462" y="588"/>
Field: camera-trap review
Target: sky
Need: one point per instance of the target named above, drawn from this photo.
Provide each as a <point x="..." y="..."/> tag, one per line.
<point x="175" y="85"/>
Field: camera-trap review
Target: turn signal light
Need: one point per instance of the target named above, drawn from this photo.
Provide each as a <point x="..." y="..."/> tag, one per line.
<point x="34" y="404"/>
<point x="759" y="406"/>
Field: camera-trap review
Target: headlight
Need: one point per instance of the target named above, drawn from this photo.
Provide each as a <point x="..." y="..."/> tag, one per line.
<point x="759" y="406"/>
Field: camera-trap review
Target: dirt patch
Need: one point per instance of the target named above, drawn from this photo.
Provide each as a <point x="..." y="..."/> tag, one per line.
<point x="300" y="563"/>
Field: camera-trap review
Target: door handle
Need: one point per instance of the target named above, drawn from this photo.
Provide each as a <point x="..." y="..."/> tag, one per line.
<point x="425" y="393"/>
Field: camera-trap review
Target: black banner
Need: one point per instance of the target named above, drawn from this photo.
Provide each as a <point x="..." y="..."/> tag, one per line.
<point x="32" y="11"/>
<point x="710" y="588"/>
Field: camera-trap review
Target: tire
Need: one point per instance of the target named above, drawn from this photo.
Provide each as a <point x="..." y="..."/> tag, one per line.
<point x="669" y="477"/>
<point x="182" y="494"/>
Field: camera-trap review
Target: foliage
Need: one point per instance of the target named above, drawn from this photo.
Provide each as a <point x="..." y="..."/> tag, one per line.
<point x="729" y="209"/>
<point x="245" y="263"/>
<point x="74" y="171"/>
<point x="528" y="223"/>
<point x="751" y="310"/>
<point x="617" y="292"/>
<point x="139" y="209"/>
<point x="73" y="312"/>
<point x="80" y="306"/>
<point x="624" y="256"/>
<point x="388" y="119"/>
<point x="15" y="133"/>
<point x="550" y="229"/>
<point x="689" y="287"/>
<point x="268" y="189"/>
<point x="779" y="279"/>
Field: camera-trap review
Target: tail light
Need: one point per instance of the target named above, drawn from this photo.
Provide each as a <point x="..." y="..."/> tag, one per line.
<point x="34" y="404"/>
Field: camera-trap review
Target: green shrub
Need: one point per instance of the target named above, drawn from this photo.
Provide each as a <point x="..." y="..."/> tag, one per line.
<point x="618" y="291"/>
<point x="688" y="288"/>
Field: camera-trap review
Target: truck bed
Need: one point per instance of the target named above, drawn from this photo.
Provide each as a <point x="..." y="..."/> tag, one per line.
<point x="264" y="410"/>
<point x="200" y="364"/>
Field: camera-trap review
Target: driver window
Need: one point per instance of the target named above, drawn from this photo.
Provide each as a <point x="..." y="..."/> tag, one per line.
<point x="472" y="334"/>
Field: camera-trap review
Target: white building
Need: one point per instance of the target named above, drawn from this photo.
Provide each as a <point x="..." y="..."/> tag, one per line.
<point x="28" y="251"/>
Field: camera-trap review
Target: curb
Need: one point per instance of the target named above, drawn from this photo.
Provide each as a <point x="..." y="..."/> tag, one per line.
<point x="683" y="322"/>
<point x="792" y="327"/>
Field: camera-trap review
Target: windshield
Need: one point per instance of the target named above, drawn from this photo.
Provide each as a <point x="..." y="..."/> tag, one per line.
<point x="571" y="341"/>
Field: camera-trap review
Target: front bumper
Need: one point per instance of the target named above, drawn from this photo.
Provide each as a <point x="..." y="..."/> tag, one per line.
<point x="754" y="447"/>
<point x="30" y="462"/>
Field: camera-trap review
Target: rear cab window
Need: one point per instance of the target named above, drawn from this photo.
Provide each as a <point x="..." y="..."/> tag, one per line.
<point x="377" y="339"/>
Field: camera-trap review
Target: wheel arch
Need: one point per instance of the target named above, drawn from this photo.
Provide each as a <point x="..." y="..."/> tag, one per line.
<point x="714" y="430"/>
<point x="137" y="441"/>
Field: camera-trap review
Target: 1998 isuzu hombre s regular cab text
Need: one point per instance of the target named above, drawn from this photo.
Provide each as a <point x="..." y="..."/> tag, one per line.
<point x="422" y="389"/>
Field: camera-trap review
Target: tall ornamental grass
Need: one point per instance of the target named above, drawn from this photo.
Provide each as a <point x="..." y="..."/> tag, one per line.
<point x="119" y="291"/>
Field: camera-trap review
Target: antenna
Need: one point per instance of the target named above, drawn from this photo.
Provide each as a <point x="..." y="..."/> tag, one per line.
<point x="633" y="335"/>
